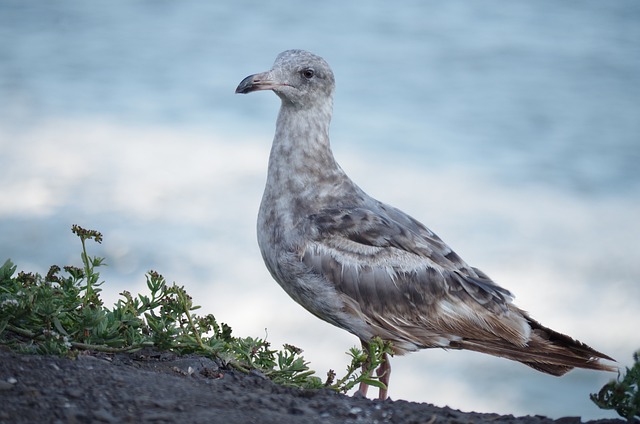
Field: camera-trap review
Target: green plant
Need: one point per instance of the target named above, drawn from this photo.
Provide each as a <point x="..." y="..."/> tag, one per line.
<point x="622" y="394"/>
<point x="62" y="313"/>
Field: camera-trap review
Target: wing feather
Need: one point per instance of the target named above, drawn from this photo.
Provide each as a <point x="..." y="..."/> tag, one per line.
<point x="407" y="281"/>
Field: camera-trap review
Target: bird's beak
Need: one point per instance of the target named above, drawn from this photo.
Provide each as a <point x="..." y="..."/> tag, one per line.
<point x="262" y="81"/>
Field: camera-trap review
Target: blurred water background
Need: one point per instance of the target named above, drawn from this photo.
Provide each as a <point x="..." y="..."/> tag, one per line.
<point x="511" y="128"/>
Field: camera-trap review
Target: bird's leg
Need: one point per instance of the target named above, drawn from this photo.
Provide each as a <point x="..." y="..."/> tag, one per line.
<point x="384" y="372"/>
<point x="363" y="389"/>
<point x="364" y="386"/>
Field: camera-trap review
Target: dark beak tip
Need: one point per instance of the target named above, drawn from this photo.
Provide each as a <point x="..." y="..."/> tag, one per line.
<point x="246" y="85"/>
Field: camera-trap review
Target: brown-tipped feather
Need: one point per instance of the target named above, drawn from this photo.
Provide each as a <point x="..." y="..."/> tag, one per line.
<point x="547" y="351"/>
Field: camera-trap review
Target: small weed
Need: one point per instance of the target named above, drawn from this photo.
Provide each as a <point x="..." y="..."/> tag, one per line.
<point x="622" y="394"/>
<point x="62" y="313"/>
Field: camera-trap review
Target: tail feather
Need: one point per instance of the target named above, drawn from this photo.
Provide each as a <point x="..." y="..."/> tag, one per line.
<point x="547" y="351"/>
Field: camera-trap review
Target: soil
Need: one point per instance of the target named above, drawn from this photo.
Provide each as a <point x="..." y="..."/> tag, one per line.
<point x="153" y="387"/>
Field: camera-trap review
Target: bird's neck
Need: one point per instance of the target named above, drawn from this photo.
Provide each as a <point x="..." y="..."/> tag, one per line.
<point x="301" y="155"/>
<point x="303" y="178"/>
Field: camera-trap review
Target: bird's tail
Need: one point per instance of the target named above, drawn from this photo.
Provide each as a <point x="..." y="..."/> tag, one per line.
<point x="547" y="351"/>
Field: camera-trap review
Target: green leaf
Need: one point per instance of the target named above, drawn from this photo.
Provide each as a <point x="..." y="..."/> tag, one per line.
<point x="374" y="382"/>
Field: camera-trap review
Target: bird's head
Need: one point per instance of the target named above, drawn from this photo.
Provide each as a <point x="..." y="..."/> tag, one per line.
<point x="298" y="77"/>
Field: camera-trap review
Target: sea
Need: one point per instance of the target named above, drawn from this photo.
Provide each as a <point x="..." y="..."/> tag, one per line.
<point x="511" y="128"/>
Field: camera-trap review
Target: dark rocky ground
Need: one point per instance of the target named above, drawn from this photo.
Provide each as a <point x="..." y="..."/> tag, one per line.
<point x="164" y="388"/>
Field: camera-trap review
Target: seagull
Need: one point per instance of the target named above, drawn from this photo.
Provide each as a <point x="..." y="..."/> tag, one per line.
<point x="367" y="267"/>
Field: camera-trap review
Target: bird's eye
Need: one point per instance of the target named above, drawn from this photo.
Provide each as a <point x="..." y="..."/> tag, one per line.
<point x="308" y="73"/>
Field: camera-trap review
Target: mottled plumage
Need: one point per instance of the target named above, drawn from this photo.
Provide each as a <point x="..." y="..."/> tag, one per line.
<point x="367" y="267"/>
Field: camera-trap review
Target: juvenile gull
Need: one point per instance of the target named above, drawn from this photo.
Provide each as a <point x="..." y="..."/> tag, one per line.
<point x="367" y="267"/>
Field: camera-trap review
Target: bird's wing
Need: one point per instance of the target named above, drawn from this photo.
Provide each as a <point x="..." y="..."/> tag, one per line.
<point x="400" y="273"/>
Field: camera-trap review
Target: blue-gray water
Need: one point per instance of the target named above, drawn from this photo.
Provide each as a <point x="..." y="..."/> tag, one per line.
<point x="511" y="128"/>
